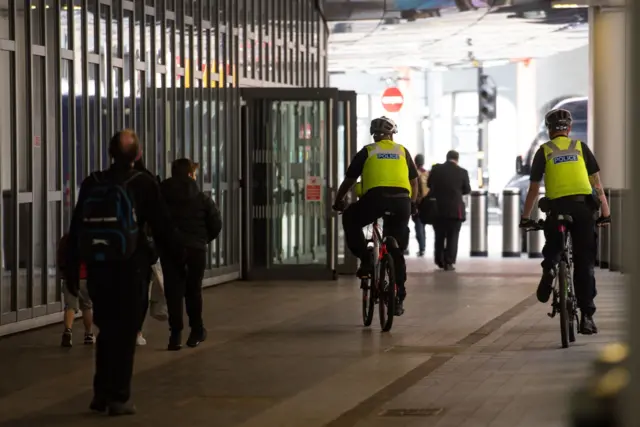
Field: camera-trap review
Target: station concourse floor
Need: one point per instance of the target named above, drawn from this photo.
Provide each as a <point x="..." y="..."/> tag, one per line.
<point x="474" y="349"/>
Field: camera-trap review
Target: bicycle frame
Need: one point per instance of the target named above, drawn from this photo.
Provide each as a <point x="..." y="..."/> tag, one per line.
<point x="379" y="246"/>
<point x="567" y="250"/>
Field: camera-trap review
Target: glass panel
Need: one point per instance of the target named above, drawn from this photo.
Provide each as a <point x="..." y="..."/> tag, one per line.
<point x="224" y="235"/>
<point x="138" y="36"/>
<point x="25" y="280"/>
<point x="80" y="147"/>
<point x="342" y="166"/>
<point x="197" y="123"/>
<point x="39" y="189"/>
<point x="37" y="35"/>
<point x="93" y="134"/>
<point x="161" y="126"/>
<point x="5" y="29"/>
<point x="115" y="28"/>
<point x="67" y="142"/>
<point x="94" y="36"/>
<point x="189" y="113"/>
<point x="127" y="69"/>
<point x="299" y="157"/>
<point x="6" y="152"/>
<point x="117" y="97"/>
<point x="211" y="171"/>
<point x="54" y="234"/>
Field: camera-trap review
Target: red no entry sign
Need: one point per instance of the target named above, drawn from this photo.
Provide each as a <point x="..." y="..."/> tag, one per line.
<point x="392" y="99"/>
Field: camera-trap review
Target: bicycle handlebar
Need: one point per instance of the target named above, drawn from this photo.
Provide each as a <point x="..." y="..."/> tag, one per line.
<point x="539" y="224"/>
<point x="535" y="226"/>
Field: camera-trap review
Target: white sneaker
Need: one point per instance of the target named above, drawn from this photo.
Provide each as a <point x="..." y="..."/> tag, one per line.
<point x="140" y="340"/>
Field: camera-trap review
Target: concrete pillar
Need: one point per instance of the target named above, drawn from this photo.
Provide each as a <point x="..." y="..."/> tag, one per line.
<point x="607" y="111"/>
<point x="435" y="93"/>
<point x="526" y="104"/>
<point x="631" y="244"/>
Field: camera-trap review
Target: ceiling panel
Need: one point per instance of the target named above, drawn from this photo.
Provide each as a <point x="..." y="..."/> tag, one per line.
<point x="449" y="39"/>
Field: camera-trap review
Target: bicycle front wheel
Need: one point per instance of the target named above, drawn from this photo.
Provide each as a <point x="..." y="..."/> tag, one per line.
<point x="388" y="293"/>
<point x="562" y="302"/>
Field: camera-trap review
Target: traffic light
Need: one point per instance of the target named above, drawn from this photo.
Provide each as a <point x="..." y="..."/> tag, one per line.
<point x="487" y="96"/>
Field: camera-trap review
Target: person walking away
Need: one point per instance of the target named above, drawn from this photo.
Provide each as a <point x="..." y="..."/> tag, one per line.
<point x="447" y="183"/>
<point x="73" y="303"/>
<point x="153" y="258"/>
<point x="197" y="217"/>
<point x="113" y="207"/>
<point x="572" y="177"/>
<point x="423" y="191"/>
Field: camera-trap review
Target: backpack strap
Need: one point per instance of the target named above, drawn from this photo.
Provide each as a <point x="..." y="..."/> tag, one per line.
<point x="96" y="177"/>
<point x="131" y="178"/>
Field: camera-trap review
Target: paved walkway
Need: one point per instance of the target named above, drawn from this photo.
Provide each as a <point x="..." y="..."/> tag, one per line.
<point x="474" y="349"/>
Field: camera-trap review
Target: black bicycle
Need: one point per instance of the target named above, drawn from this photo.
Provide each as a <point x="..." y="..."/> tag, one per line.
<point x="564" y="297"/>
<point x="380" y="288"/>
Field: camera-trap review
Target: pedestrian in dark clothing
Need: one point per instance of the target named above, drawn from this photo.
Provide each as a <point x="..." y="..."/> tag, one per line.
<point x="197" y="217"/>
<point x="447" y="183"/>
<point x="423" y="191"/>
<point x="153" y="255"/>
<point x="113" y="208"/>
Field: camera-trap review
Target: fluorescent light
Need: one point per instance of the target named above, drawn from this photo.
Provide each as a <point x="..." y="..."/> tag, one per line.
<point x="556" y="5"/>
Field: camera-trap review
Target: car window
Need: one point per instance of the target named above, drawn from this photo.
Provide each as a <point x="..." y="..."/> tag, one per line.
<point x="578" y="109"/>
<point x="579" y="131"/>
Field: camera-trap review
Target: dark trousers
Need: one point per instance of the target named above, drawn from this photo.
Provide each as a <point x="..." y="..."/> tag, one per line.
<point x="145" y="303"/>
<point x="445" y="246"/>
<point x="421" y="235"/>
<point x="118" y="295"/>
<point x="583" y="243"/>
<point x="183" y="286"/>
<point x="370" y="208"/>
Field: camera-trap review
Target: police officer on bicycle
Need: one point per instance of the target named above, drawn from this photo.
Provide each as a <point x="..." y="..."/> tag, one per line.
<point x="389" y="185"/>
<point x="572" y="187"/>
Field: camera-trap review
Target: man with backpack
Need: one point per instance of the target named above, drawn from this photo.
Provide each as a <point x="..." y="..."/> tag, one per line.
<point x="197" y="217"/>
<point x="106" y="233"/>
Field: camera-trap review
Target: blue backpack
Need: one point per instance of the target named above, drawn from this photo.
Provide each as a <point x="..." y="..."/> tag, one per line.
<point x="109" y="230"/>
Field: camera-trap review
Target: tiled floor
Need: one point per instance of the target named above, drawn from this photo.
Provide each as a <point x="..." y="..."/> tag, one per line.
<point x="474" y="349"/>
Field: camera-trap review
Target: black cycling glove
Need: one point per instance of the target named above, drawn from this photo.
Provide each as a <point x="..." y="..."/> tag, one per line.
<point x="527" y="223"/>
<point x="603" y="220"/>
<point x="339" y="205"/>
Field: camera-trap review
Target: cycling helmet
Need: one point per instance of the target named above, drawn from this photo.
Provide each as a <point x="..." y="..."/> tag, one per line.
<point x="558" y="120"/>
<point x="383" y="126"/>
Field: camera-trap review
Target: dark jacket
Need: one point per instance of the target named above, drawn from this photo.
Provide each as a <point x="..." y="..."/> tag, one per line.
<point x="193" y="212"/>
<point x="151" y="210"/>
<point x="447" y="183"/>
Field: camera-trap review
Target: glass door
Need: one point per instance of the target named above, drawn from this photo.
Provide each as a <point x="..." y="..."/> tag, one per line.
<point x="291" y="147"/>
<point x="347" y="149"/>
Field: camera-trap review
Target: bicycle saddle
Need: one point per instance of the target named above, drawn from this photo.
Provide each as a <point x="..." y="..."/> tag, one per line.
<point x="565" y="218"/>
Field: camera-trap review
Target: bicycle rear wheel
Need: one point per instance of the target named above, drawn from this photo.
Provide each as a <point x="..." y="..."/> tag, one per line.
<point x="388" y="293"/>
<point x="562" y="302"/>
<point x="368" y="300"/>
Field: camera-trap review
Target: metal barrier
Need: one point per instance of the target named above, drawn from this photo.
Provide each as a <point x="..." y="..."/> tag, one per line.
<point x="615" y="235"/>
<point x="535" y="239"/>
<point x="479" y="223"/>
<point x="511" y="233"/>
<point x="604" y="243"/>
<point x="625" y="205"/>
